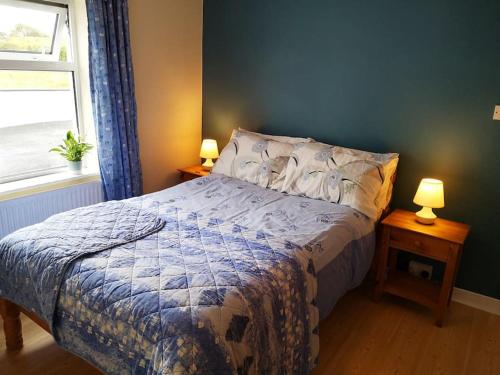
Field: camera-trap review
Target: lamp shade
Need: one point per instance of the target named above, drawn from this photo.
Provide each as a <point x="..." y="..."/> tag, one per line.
<point x="209" y="149"/>
<point x="430" y="193"/>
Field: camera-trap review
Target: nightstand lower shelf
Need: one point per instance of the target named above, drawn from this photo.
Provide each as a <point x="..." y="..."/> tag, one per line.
<point x="422" y="291"/>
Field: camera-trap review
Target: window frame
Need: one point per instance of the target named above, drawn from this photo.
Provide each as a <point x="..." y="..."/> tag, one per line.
<point x="31" y="64"/>
<point x="61" y="12"/>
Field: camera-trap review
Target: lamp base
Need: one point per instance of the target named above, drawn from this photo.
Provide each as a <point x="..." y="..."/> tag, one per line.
<point x="426" y="216"/>
<point x="208" y="164"/>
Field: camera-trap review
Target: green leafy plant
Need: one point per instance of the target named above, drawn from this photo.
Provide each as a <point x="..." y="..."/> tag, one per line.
<point x="73" y="149"/>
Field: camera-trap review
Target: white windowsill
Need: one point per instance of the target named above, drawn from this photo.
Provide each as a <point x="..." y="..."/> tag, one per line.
<point x="30" y="186"/>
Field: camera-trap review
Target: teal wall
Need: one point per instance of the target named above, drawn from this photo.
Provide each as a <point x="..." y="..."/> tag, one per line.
<point x="416" y="77"/>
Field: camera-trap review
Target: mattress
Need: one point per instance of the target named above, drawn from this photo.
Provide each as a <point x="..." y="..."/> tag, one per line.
<point x="343" y="239"/>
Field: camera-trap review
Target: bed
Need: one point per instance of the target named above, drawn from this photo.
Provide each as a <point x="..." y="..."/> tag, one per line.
<point x="338" y="240"/>
<point x="216" y="275"/>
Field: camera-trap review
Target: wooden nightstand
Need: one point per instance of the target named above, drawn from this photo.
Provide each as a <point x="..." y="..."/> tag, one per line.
<point x="442" y="241"/>
<point x="195" y="171"/>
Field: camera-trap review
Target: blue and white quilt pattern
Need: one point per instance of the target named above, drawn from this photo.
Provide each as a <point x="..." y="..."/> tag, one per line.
<point x="33" y="260"/>
<point x="201" y="295"/>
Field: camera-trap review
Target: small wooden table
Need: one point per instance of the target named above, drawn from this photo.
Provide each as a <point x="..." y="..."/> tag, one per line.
<point x="442" y="241"/>
<point x="190" y="173"/>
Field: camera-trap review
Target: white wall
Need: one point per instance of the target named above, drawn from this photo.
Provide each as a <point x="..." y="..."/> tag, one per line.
<point x="166" y="39"/>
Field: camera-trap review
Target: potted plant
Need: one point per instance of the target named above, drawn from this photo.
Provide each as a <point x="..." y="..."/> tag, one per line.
<point x="73" y="150"/>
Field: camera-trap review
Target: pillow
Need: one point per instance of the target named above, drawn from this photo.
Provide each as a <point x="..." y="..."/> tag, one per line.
<point x="389" y="163"/>
<point x="255" y="159"/>
<point x="278" y="138"/>
<point x="339" y="175"/>
<point x="385" y="195"/>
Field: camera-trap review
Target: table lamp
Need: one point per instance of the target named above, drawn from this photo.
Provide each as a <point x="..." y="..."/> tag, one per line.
<point x="429" y="195"/>
<point x="209" y="151"/>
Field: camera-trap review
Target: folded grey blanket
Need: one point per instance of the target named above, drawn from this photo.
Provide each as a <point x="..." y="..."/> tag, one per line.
<point x="33" y="260"/>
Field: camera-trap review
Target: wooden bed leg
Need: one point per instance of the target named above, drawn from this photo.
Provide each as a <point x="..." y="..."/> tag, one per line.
<point x="11" y="324"/>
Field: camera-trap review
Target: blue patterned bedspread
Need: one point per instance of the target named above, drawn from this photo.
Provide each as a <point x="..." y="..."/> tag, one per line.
<point x="34" y="259"/>
<point x="198" y="296"/>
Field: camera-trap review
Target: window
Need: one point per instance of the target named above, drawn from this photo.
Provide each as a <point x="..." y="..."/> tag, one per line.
<point x="39" y="86"/>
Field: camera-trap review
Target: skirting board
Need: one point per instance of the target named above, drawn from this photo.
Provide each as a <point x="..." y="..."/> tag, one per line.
<point x="478" y="301"/>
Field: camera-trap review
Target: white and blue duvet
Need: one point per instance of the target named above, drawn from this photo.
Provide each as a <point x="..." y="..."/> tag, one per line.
<point x="149" y="287"/>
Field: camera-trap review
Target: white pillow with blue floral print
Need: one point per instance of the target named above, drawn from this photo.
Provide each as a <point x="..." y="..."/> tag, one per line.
<point x="250" y="157"/>
<point x="389" y="163"/>
<point x="337" y="175"/>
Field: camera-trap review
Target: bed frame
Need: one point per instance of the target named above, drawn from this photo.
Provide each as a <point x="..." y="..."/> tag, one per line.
<point x="12" y="327"/>
<point x="11" y="312"/>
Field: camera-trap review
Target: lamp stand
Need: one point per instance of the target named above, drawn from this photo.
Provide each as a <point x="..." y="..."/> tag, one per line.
<point x="208" y="164"/>
<point x="426" y="216"/>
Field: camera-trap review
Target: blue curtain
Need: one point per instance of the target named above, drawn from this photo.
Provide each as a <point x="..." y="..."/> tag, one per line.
<point x="113" y="98"/>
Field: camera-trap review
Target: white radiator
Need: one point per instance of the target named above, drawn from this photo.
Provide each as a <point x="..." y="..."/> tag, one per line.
<point x="20" y="212"/>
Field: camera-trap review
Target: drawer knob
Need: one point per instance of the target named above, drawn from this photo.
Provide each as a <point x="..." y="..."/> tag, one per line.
<point x="417" y="243"/>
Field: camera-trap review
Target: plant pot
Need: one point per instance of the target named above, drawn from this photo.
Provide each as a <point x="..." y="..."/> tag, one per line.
<point x="75" y="167"/>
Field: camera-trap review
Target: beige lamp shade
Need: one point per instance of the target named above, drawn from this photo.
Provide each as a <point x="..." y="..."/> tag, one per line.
<point x="430" y="193"/>
<point x="209" y="149"/>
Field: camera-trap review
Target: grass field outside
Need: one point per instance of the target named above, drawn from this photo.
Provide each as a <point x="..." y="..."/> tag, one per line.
<point x="34" y="80"/>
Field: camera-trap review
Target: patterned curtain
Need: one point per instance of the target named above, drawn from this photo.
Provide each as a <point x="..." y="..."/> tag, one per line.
<point x="113" y="99"/>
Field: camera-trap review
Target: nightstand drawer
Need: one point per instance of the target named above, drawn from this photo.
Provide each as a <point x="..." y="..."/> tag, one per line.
<point x="190" y="173"/>
<point x="188" y="177"/>
<point x="420" y="244"/>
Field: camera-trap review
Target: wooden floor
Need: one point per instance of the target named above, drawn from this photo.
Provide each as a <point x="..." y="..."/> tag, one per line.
<point x="360" y="337"/>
